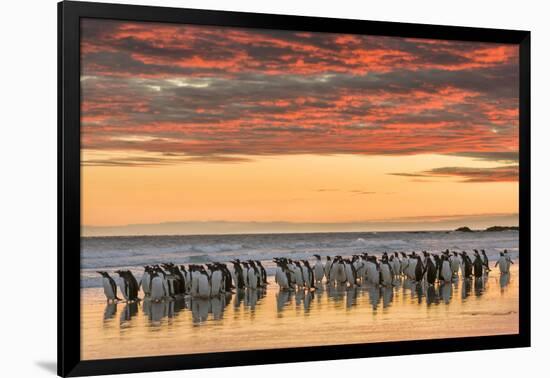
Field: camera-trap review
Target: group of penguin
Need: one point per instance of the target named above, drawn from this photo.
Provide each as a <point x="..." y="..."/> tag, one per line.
<point x="363" y="268"/>
<point x="169" y="281"/>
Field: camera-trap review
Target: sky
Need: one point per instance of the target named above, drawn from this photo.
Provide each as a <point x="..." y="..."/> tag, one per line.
<point x="188" y="127"/>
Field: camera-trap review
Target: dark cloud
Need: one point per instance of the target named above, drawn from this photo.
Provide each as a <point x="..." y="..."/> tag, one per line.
<point x="210" y="92"/>
<point x="468" y="174"/>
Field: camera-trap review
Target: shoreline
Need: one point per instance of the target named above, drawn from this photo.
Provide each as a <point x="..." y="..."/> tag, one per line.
<point x="276" y="319"/>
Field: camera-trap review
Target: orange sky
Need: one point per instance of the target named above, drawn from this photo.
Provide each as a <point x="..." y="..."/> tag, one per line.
<point x="188" y="123"/>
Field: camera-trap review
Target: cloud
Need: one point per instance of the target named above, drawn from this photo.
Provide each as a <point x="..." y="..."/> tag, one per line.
<point x="466" y="174"/>
<point x="209" y="93"/>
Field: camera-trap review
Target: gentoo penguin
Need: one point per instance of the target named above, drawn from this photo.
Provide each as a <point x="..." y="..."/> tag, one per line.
<point x="466" y="265"/>
<point x="157" y="287"/>
<point x="251" y="278"/>
<point x="418" y="270"/>
<point x="503" y="263"/>
<point x="299" y="274"/>
<point x="109" y="287"/>
<point x="351" y="273"/>
<point x="217" y="283"/>
<point x="129" y="285"/>
<point x="327" y="268"/>
<point x="263" y="273"/>
<point x="257" y="273"/>
<point x="431" y="272"/>
<point x="282" y="275"/>
<point x="309" y="278"/>
<point x="238" y="274"/>
<point x="339" y="270"/>
<point x="386" y="272"/>
<point x="145" y="281"/>
<point x="478" y="265"/>
<point x="485" y="260"/>
<point x="445" y="270"/>
<point x="455" y="263"/>
<point x="396" y="264"/>
<point x="318" y="269"/>
<point x="373" y="275"/>
<point x="203" y="282"/>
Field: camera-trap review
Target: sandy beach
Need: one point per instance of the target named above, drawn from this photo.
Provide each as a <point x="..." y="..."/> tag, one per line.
<point x="271" y="319"/>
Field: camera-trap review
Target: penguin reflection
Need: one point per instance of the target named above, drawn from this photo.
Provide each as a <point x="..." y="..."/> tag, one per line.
<point x="445" y="292"/>
<point x="110" y="311"/>
<point x="374" y="296"/>
<point x="130" y="310"/>
<point x="431" y="295"/>
<point x="283" y="299"/>
<point x="387" y="296"/>
<point x="199" y="309"/>
<point x="351" y="296"/>
<point x="504" y="281"/>
<point x="466" y="288"/>
<point x="479" y="286"/>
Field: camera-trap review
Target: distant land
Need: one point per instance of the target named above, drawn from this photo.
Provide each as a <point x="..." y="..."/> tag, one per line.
<point x="416" y="224"/>
<point x="489" y="229"/>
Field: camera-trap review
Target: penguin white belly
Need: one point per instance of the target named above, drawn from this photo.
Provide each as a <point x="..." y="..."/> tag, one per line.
<point x="327" y="268"/>
<point x="340" y="273"/>
<point x="319" y="271"/>
<point x="396" y="266"/>
<point x="446" y="272"/>
<point x="386" y="274"/>
<point x="203" y="286"/>
<point x="195" y="283"/>
<point x="216" y="282"/>
<point x="278" y="274"/>
<point x="157" y="289"/>
<point x="503" y="265"/>
<point x="108" y="289"/>
<point x="455" y="265"/>
<point x="299" y="277"/>
<point x="146" y="283"/>
<point x="411" y="269"/>
<point x="333" y="272"/>
<point x="252" y="280"/>
<point x="349" y="275"/>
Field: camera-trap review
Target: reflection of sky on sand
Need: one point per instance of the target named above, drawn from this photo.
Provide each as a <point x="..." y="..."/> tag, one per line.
<point x="272" y="319"/>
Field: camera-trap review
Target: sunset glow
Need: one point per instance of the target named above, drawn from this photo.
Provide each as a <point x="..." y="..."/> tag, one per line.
<point x="193" y="123"/>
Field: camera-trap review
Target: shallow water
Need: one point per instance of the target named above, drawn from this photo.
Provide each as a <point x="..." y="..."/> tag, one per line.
<point x="272" y="319"/>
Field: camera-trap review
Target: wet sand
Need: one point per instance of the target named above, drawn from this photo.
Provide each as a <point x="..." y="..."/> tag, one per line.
<point x="271" y="319"/>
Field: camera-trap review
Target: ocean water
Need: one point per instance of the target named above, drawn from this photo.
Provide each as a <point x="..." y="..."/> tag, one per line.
<point x="113" y="253"/>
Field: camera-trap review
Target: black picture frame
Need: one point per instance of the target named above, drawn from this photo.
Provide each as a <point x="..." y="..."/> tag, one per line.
<point x="69" y="226"/>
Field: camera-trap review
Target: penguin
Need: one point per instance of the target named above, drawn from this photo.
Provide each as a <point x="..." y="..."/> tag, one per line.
<point x="466" y="265"/>
<point x="503" y="264"/>
<point x="129" y="285"/>
<point x="309" y="279"/>
<point x="251" y="278"/>
<point x="216" y="281"/>
<point x="327" y="268"/>
<point x="109" y="287"/>
<point x="386" y="272"/>
<point x="485" y="260"/>
<point x="145" y="281"/>
<point x="318" y="269"/>
<point x="419" y="269"/>
<point x="299" y="274"/>
<point x="445" y="269"/>
<point x="396" y="264"/>
<point x="373" y="275"/>
<point x="431" y="272"/>
<point x="203" y="283"/>
<point x="263" y="273"/>
<point x="157" y="287"/>
<point x="282" y="275"/>
<point x="455" y="263"/>
<point x="238" y="274"/>
<point x="478" y="265"/>
<point x="257" y="273"/>
<point x="350" y="273"/>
